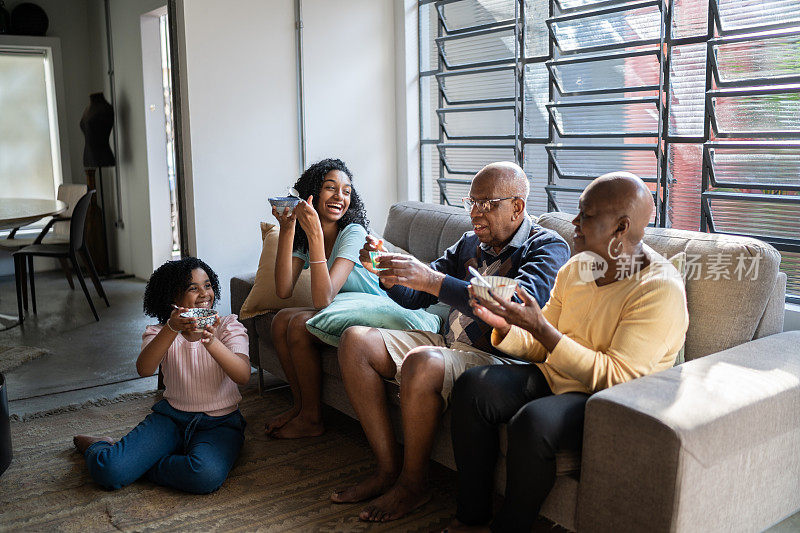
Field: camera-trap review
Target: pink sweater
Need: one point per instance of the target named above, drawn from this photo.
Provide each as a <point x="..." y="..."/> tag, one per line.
<point x="194" y="381"/>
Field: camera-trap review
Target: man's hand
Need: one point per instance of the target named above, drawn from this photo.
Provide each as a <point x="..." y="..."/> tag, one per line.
<point x="410" y="272"/>
<point x="370" y="245"/>
<point x="527" y="315"/>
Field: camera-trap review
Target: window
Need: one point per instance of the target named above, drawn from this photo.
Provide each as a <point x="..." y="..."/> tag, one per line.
<point x="700" y="98"/>
<point x="30" y="156"/>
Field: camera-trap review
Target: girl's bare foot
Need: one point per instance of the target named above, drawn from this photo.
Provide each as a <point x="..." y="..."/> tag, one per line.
<point x="396" y="503"/>
<point x="280" y="420"/>
<point x="84" y="441"/>
<point x="369" y="488"/>
<point x="299" y="427"/>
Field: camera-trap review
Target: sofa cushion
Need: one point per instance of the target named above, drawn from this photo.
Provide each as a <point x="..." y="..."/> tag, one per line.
<point x="723" y="311"/>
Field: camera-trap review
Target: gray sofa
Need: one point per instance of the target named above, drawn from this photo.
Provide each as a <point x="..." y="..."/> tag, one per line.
<point x="710" y="445"/>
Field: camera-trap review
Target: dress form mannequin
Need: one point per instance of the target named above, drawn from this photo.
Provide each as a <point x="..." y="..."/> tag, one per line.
<point x="96" y="124"/>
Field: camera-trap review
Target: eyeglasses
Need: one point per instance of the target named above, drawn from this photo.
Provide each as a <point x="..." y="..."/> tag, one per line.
<point x="484" y="206"/>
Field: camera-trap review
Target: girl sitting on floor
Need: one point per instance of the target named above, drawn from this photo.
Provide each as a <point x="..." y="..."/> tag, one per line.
<point x="193" y="436"/>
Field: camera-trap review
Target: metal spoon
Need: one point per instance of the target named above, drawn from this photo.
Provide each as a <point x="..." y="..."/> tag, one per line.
<point x="480" y="278"/>
<point x="293" y="192"/>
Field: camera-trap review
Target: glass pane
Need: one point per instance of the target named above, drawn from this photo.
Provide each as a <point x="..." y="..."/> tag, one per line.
<point x="494" y="46"/>
<point x="758" y="113"/>
<point x="590" y="163"/>
<point x="470" y="160"/>
<point x="687" y="90"/>
<point x="608" y="74"/>
<point x="428" y="28"/>
<point x="481" y="85"/>
<point x="573" y="4"/>
<point x="609" y="29"/>
<point x="429" y="170"/>
<point x="684" y="167"/>
<point x="25" y="129"/>
<point x="454" y="192"/>
<point x="467" y="13"/>
<point x="536" y="34"/>
<point x="772" y="166"/>
<point x="689" y="18"/>
<point x="790" y="263"/>
<point x="536" y="96"/>
<point x="639" y="118"/>
<point x="429" y="101"/>
<point x="767" y="219"/>
<point x="741" y="14"/>
<point x="566" y="201"/>
<point x="759" y="60"/>
<point x="535" y="166"/>
<point x="491" y="123"/>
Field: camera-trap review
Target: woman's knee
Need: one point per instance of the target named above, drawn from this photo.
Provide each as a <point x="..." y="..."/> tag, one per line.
<point x="533" y="429"/>
<point x="280" y="322"/>
<point x="206" y="476"/>
<point x="109" y="469"/>
<point x="297" y="330"/>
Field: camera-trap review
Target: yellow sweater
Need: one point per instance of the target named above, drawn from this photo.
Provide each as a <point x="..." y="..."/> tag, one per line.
<point x="611" y="334"/>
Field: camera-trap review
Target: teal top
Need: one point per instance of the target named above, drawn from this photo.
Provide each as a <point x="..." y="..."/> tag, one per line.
<point x="348" y="244"/>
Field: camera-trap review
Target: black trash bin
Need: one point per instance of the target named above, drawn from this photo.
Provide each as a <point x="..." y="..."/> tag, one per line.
<point x="5" y="428"/>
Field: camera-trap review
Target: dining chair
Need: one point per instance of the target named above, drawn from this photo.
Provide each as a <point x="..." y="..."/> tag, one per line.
<point x="23" y="258"/>
<point x="69" y="194"/>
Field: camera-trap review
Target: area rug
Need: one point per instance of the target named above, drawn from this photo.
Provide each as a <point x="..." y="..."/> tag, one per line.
<point x="13" y="356"/>
<point x="277" y="485"/>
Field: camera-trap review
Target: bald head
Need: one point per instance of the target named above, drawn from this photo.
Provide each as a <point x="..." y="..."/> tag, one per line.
<point x="620" y="195"/>
<point x="506" y="178"/>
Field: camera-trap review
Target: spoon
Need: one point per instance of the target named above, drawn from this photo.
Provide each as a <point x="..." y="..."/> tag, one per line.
<point x="293" y="192"/>
<point x="480" y="278"/>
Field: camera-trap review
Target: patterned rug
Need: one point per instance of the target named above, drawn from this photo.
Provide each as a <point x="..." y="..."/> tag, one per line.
<point x="13" y="356"/>
<point x="275" y="486"/>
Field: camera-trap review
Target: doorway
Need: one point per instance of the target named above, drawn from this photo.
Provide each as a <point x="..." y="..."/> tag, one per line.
<point x="165" y="210"/>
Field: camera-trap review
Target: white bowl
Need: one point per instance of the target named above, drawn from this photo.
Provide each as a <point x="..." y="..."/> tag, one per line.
<point x="503" y="287"/>
<point x="205" y="317"/>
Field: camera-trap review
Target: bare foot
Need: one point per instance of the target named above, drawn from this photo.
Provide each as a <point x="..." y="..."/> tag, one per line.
<point x="366" y="489"/>
<point x="457" y="526"/>
<point x="84" y="441"/>
<point x="297" y="428"/>
<point x="280" y="420"/>
<point x="399" y="501"/>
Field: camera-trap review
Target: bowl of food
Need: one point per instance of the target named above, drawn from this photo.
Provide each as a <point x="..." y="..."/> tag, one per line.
<point x="282" y="202"/>
<point x="503" y="287"/>
<point x="205" y="317"/>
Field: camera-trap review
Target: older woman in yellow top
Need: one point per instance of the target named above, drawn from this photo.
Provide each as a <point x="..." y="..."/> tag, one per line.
<point x="617" y="311"/>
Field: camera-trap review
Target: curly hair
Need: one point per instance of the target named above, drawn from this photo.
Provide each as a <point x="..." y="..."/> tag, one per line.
<point x="311" y="183"/>
<point x="170" y="281"/>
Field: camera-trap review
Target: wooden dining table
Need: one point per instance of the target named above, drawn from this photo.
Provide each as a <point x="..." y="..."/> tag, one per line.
<point x="17" y="212"/>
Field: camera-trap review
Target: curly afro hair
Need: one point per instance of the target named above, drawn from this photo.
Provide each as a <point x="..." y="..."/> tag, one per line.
<point x="311" y="183"/>
<point x="169" y="281"/>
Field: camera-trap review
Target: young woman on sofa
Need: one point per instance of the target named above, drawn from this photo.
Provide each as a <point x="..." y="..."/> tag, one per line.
<point x="332" y="229"/>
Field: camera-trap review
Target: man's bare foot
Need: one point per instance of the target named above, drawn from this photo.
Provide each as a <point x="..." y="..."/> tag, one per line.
<point x="396" y="503"/>
<point x="366" y="489"/>
<point x="457" y="526"/>
<point x="84" y="441"/>
<point x="297" y="428"/>
<point x="280" y="420"/>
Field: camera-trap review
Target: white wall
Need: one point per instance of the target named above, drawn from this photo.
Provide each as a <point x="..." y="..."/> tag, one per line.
<point x="349" y="63"/>
<point x="240" y="98"/>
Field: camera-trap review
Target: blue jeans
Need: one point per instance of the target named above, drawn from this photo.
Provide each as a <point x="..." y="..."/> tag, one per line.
<point x="192" y="452"/>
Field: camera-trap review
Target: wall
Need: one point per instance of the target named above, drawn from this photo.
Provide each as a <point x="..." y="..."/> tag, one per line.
<point x="240" y="98"/>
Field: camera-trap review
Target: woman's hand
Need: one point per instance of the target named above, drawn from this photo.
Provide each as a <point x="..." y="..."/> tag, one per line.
<point x="497" y="322"/>
<point x="176" y="322"/>
<point x="308" y="218"/>
<point x="527" y="315"/>
<point x="371" y="244"/>
<point x="285" y="219"/>
<point x="209" y="334"/>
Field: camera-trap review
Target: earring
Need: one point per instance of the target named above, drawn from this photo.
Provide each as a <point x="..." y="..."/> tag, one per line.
<point x="617" y="252"/>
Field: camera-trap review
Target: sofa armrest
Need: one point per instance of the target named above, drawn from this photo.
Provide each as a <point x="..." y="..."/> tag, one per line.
<point x="240" y="288"/>
<point x="710" y="445"/>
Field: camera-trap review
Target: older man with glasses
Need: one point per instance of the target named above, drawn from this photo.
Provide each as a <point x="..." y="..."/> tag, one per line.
<point x="504" y="242"/>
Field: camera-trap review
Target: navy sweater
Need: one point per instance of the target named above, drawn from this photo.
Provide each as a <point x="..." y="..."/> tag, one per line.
<point x="534" y="265"/>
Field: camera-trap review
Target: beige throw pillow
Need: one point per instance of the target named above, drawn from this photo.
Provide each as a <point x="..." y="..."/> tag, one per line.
<point x="262" y="298"/>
